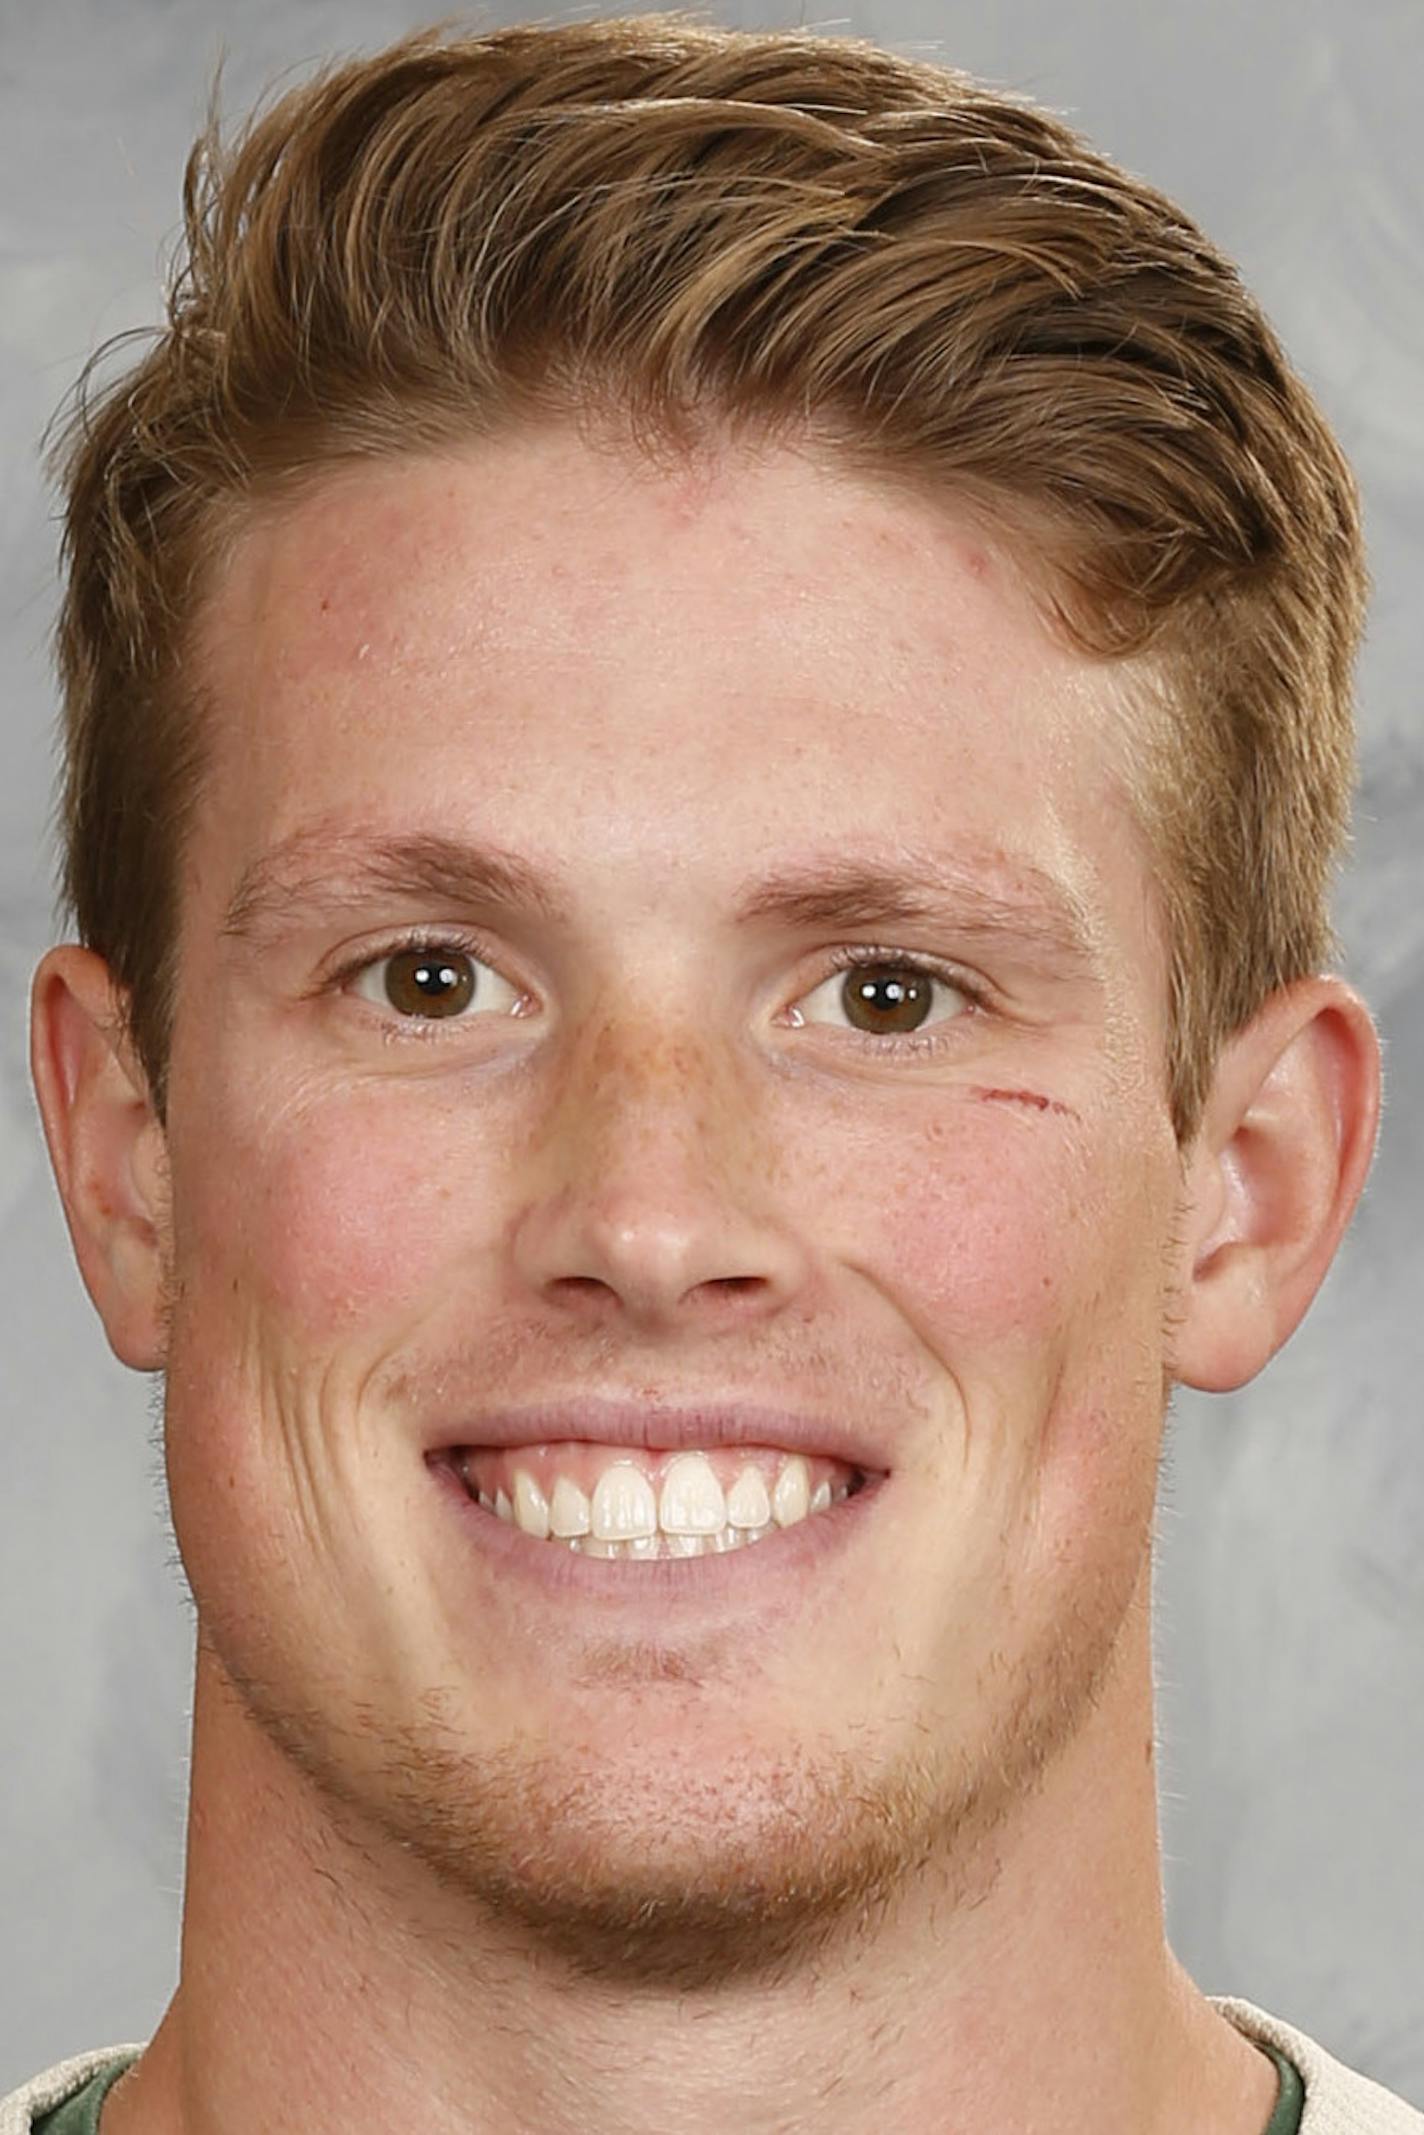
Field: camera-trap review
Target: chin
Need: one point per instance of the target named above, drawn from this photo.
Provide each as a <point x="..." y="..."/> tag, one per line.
<point x="679" y="1877"/>
<point x="729" y="1882"/>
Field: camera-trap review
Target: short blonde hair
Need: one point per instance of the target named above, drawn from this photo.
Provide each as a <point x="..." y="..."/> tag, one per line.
<point x="670" y="225"/>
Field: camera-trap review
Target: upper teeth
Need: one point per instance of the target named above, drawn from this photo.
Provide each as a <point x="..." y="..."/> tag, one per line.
<point x="688" y="1504"/>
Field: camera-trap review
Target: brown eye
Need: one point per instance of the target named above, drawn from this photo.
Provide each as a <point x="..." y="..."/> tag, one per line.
<point x="889" y="997"/>
<point x="424" y="982"/>
<point x="438" y="983"/>
<point x="885" y="997"/>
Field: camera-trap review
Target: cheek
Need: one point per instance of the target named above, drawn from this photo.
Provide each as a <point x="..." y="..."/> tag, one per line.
<point x="304" y="1257"/>
<point x="335" y="1216"/>
<point x="986" y="1225"/>
<point x="1024" y="1253"/>
<point x="1022" y="1249"/>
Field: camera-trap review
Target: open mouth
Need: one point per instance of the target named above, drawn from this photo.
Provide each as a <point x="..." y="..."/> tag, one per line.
<point x="638" y="1504"/>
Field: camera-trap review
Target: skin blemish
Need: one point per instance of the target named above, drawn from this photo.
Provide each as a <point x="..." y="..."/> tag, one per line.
<point x="1034" y="1099"/>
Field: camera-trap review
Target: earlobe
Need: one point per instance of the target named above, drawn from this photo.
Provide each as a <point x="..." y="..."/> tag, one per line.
<point x="1272" y="1179"/>
<point x="106" y="1146"/>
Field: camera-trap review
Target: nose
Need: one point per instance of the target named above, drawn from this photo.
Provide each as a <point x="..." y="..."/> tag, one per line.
<point x="648" y="1194"/>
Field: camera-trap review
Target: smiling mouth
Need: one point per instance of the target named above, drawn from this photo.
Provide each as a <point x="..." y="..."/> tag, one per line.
<point x="644" y="1506"/>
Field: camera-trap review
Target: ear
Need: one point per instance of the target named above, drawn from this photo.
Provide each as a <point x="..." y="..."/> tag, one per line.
<point x="107" y="1148"/>
<point x="1272" y="1178"/>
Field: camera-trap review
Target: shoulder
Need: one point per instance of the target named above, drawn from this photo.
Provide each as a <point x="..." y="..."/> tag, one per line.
<point x="42" y="2093"/>
<point x="1338" y="2099"/>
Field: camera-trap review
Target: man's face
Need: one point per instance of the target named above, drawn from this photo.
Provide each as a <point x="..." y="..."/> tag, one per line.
<point x="447" y="1153"/>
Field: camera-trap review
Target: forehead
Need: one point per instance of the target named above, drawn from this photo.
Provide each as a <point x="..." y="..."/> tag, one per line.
<point x="568" y="650"/>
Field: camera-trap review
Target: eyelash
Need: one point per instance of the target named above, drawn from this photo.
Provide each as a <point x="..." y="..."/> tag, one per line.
<point x="847" y="959"/>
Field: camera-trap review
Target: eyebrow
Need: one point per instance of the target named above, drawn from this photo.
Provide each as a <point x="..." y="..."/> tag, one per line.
<point x="995" y="899"/>
<point x="1022" y="903"/>
<point x="319" y="867"/>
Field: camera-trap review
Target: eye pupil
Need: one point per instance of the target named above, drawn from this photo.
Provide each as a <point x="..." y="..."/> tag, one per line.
<point x="898" y="996"/>
<point x="420" y="982"/>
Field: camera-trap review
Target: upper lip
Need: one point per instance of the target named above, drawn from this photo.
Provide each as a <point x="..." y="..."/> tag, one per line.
<point x="651" y="1424"/>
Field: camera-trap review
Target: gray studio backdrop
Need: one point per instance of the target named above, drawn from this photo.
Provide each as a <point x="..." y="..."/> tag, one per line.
<point x="1290" y="1595"/>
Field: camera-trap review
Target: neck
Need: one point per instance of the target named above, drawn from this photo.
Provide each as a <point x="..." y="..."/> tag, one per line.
<point x="1027" y="1986"/>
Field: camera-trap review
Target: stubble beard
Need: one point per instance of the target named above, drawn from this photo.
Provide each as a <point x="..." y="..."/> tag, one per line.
<point x="683" y="1875"/>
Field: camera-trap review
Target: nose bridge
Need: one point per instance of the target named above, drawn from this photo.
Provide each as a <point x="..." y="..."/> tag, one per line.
<point x="651" y="1117"/>
<point x="642" y="1064"/>
<point x="649" y="1177"/>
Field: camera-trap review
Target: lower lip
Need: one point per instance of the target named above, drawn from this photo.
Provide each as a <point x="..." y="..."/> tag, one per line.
<point x="796" y="1552"/>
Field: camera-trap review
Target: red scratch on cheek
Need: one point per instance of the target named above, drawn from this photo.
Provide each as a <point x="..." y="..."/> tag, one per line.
<point x="1035" y="1099"/>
